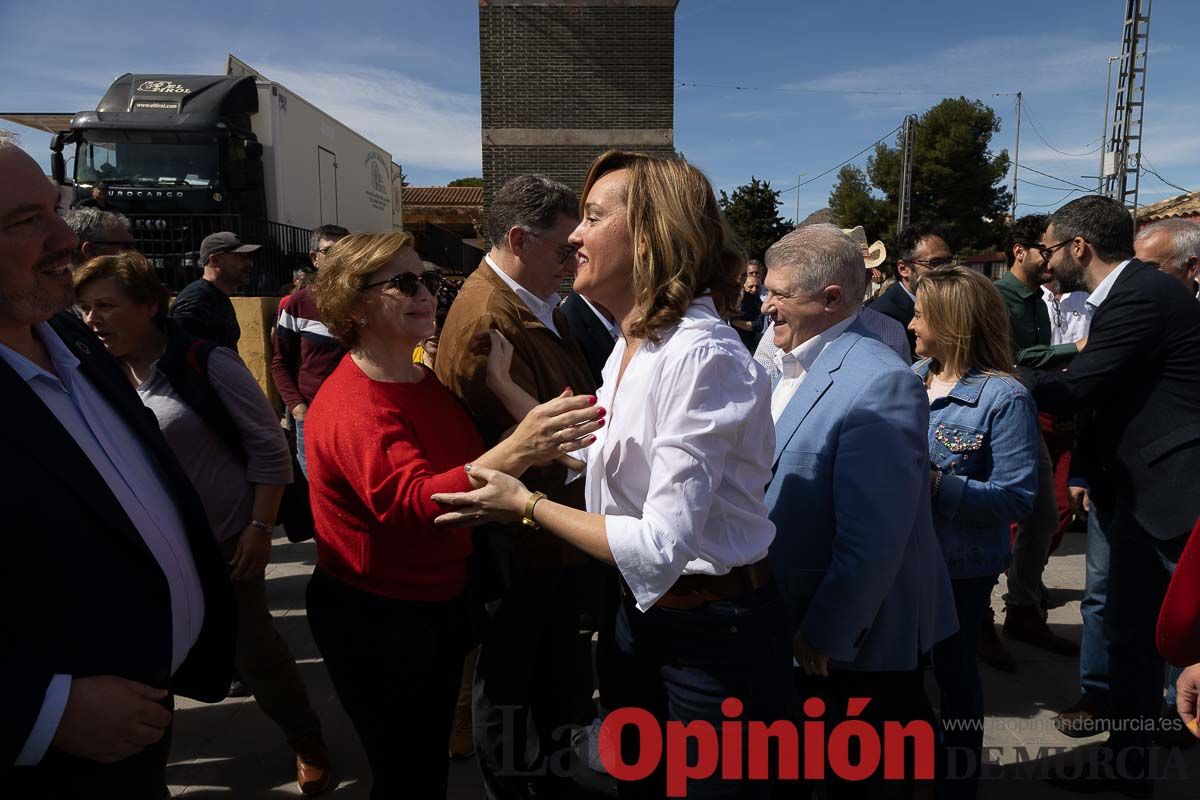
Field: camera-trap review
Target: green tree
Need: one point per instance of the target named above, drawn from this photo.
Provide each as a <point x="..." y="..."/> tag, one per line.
<point x="852" y="203"/>
<point x="753" y="213"/>
<point x="466" y="182"/>
<point x="957" y="181"/>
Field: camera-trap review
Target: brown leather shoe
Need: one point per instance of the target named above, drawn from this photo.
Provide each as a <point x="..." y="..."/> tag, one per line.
<point x="990" y="649"/>
<point x="313" y="774"/>
<point x="1085" y="718"/>
<point x="1025" y="624"/>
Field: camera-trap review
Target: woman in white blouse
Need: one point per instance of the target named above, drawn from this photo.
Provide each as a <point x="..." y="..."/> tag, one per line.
<point x="675" y="479"/>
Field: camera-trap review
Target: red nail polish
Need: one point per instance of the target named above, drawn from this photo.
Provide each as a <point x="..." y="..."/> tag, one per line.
<point x="601" y="412"/>
<point x="600" y="423"/>
<point x="592" y="400"/>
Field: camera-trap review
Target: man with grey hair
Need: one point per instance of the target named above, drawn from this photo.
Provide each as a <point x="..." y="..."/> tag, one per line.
<point x="100" y="233"/>
<point x="520" y="693"/>
<point x="855" y="552"/>
<point x="1172" y="245"/>
<point x="881" y="327"/>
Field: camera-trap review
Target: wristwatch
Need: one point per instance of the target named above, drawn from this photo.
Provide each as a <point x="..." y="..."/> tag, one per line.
<point x="262" y="526"/>
<point x="527" y="517"/>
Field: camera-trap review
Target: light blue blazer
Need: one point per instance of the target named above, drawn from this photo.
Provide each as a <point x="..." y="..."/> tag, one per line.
<point x="855" y="552"/>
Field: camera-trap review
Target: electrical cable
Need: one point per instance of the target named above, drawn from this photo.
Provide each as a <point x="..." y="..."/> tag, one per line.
<point x="1055" y="177"/>
<point x="842" y="164"/>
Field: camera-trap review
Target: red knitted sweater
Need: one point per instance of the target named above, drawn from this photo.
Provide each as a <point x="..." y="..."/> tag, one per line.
<point x="376" y="453"/>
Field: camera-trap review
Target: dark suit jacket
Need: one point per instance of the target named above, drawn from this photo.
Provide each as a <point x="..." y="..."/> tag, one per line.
<point x="1137" y="384"/>
<point x="82" y="593"/>
<point x="896" y="304"/>
<point x="589" y="332"/>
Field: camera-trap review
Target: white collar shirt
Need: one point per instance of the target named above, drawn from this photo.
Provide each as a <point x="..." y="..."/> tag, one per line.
<point x="681" y="466"/>
<point x="1069" y="316"/>
<point x="794" y="365"/>
<point x="1100" y="293"/>
<point x="612" y="329"/>
<point x="542" y="309"/>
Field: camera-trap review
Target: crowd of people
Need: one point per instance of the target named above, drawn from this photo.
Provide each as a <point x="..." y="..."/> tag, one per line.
<point x="767" y="486"/>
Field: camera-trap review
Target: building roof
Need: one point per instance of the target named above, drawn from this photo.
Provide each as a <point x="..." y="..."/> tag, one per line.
<point x="1184" y="205"/>
<point x="443" y="196"/>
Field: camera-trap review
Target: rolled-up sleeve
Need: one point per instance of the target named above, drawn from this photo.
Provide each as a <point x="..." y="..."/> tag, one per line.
<point x="268" y="459"/>
<point x="701" y="404"/>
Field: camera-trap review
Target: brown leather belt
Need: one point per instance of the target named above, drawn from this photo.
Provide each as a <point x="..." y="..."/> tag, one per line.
<point x="694" y="591"/>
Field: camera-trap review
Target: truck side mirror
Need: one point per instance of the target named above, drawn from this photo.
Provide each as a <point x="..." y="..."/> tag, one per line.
<point x="58" y="165"/>
<point x="253" y="149"/>
<point x="58" y="168"/>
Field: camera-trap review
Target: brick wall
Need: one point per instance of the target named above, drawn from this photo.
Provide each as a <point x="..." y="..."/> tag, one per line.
<point x="561" y="81"/>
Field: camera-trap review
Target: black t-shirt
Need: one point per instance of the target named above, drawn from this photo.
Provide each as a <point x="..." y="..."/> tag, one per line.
<point x="751" y="312"/>
<point x="206" y="312"/>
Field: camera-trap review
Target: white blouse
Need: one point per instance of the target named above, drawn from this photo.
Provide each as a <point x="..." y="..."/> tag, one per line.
<point x="680" y="468"/>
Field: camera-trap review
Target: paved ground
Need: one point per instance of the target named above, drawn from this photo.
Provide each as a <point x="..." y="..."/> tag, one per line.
<point x="231" y="750"/>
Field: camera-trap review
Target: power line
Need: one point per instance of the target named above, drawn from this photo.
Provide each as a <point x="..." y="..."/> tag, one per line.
<point x="1045" y="141"/>
<point x="1146" y="167"/>
<point x="1056" y="202"/>
<point x="1040" y="186"/>
<point x="844" y="163"/>
<point x="1055" y="177"/>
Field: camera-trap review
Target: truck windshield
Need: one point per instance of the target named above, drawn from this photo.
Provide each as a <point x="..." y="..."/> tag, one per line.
<point x="147" y="163"/>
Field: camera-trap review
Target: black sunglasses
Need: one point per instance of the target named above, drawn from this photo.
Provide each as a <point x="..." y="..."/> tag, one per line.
<point x="407" y="283"/>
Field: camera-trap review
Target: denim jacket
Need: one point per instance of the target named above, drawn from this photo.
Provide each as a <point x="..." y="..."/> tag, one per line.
<point x="983" y="438"/>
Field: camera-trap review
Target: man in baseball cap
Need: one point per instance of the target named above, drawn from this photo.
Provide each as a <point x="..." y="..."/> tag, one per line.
<point x="203" y="308"/>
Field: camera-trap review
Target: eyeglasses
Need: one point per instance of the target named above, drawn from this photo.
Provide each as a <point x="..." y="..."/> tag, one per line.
<point x="1049" y="251"/>
<point x="563" y="251"/>
<point x="323" y="250"/>
<point x="408" y="283"/>
<point x="934" y="263"/>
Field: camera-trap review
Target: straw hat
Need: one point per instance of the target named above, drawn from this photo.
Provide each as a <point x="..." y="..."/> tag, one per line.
<point x="873" y="255"/>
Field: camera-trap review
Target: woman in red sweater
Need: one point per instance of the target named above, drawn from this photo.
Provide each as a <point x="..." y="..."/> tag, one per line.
<point x="387" y="603"/>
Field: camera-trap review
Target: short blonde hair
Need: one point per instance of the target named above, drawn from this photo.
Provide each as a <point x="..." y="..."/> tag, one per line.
<point x="348" y="264"/>
<point x="132" y="272"/>
<point x="968" y="318"/>
<point x="682" y="246"/>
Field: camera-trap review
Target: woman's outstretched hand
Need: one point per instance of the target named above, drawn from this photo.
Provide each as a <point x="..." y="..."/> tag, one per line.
<point x="500" y="498"/>
<point x="558" y="427"/>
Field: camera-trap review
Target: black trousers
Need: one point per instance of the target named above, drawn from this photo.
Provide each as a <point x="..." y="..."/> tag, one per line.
<point x="396" y="666"/>
<point x="526" y="687"/>
<point x="895" y="697"/>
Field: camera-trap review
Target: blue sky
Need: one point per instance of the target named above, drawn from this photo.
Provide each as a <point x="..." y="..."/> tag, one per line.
<point x="406" y="74"/>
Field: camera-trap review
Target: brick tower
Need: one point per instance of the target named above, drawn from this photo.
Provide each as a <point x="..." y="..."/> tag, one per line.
<point x="561" y="81"/>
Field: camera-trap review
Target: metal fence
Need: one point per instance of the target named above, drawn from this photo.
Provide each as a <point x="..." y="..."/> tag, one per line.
<point x="171" y="243"/>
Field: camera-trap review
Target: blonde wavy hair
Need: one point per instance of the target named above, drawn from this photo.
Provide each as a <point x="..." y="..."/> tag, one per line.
<point x="348" y="264"/>
<point x="968" y="318"/>
<point x="682" y="246"/>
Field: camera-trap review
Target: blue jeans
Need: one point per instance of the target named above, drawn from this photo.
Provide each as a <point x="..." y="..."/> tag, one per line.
<point x="681" y="665"/>
<point x="300" y="447"/>
<point x="1093" y="651"/>
<point x="957" y="671"/>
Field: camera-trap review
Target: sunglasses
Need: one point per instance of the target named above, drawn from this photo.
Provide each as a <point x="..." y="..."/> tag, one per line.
<point x="408" y="283"/>
<point x="934" y="263"/>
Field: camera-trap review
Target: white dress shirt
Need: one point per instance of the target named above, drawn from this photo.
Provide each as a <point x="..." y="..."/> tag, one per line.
<point x="794" y="365"/>
<point x="882" y="327"/>
<point x="130" y="474"/>
<point x="1100" y="293"/>
<point x="681" y="466"/>
<point x="1069" y="316"/>
<point x="542" y="309"/>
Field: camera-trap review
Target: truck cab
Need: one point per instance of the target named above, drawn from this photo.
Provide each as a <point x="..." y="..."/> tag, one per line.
<point x="168" y="144"/>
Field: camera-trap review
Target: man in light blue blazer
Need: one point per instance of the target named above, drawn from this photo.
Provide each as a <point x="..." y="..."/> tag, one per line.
<point x="855" y="552"/>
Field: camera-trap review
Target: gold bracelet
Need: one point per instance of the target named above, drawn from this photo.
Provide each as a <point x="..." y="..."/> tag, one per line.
<point x="527" y="517"/>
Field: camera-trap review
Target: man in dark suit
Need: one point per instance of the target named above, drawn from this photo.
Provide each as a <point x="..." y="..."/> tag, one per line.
<point x="920" y="248"/>
<point x="1137" y="384"/>
<point x="114" y="592"/>
<point x="592" y="330"/>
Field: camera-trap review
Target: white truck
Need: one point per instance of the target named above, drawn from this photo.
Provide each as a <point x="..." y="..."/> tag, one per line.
<point x="186" y="155"/>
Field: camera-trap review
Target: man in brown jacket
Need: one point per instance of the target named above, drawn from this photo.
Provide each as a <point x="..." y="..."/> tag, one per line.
<point x="527" y="659"/>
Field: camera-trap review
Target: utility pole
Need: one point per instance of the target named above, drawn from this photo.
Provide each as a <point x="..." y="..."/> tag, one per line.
<point x="908" y="137"/>
<point x="1016" y="159"/>
<point x="1104" y="131"/>
<point x="1124" y="139"/>
<point x="796" y="221"/>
